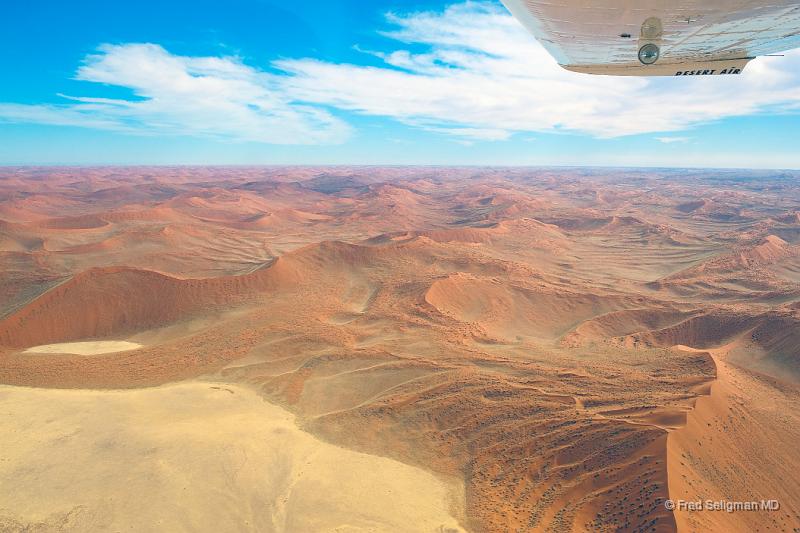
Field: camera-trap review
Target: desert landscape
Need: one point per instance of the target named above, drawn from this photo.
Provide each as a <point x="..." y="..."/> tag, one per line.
<point x="398" y="349"/>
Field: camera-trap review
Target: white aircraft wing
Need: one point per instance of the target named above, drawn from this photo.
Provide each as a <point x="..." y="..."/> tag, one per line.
<point x="660" y="37"/>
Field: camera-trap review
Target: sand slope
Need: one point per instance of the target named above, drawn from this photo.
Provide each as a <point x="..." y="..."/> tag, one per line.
<point x="745" y="418"/>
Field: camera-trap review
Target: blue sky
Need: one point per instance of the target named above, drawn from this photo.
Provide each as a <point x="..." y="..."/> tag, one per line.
<point x="354" y="82"/>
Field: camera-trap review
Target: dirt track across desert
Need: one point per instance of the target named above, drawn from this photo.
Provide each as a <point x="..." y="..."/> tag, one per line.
<point x="398" y="349"/>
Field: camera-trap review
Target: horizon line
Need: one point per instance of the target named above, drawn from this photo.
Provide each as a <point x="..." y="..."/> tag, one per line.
<point x="380" y="165"/>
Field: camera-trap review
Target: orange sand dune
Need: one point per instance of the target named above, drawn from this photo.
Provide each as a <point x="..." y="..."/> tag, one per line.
<point x="509" y="311"/>
<point x="118" y="300"/>
<point x="743" y="420"/>
<point x="504" y="349"/>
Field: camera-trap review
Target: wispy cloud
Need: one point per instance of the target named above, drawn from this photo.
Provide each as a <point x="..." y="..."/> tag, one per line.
<point x="672" y="140"/>
<point x="178" y="95"/>
<point x="480" y="74"/>
<point x="470" y="72"/>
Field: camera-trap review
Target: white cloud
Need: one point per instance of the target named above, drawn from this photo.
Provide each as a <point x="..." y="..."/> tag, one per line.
<point x="178" y="95"/>
<point x="470" y="72"/>
<point x="482" y="75"/>
<point x="671" y="140"/>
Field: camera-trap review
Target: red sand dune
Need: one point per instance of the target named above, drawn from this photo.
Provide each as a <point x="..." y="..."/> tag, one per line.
<point x="117" y="301"/>
<point x="569" y="347"/>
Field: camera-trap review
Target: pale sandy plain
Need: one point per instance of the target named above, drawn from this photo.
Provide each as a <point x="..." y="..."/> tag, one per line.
<point x="195" y="457"/>
<point x="397" y="349"/>
<point x="85" y="348"/>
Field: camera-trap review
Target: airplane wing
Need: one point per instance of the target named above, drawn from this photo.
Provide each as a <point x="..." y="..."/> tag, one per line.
<point x="660" y="37"/>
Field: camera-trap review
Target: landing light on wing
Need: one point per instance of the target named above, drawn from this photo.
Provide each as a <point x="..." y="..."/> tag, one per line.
<point x="648" y="54"/>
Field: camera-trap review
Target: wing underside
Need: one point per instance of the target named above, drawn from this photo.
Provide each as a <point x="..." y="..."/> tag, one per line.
<point x="693" y="36"/>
